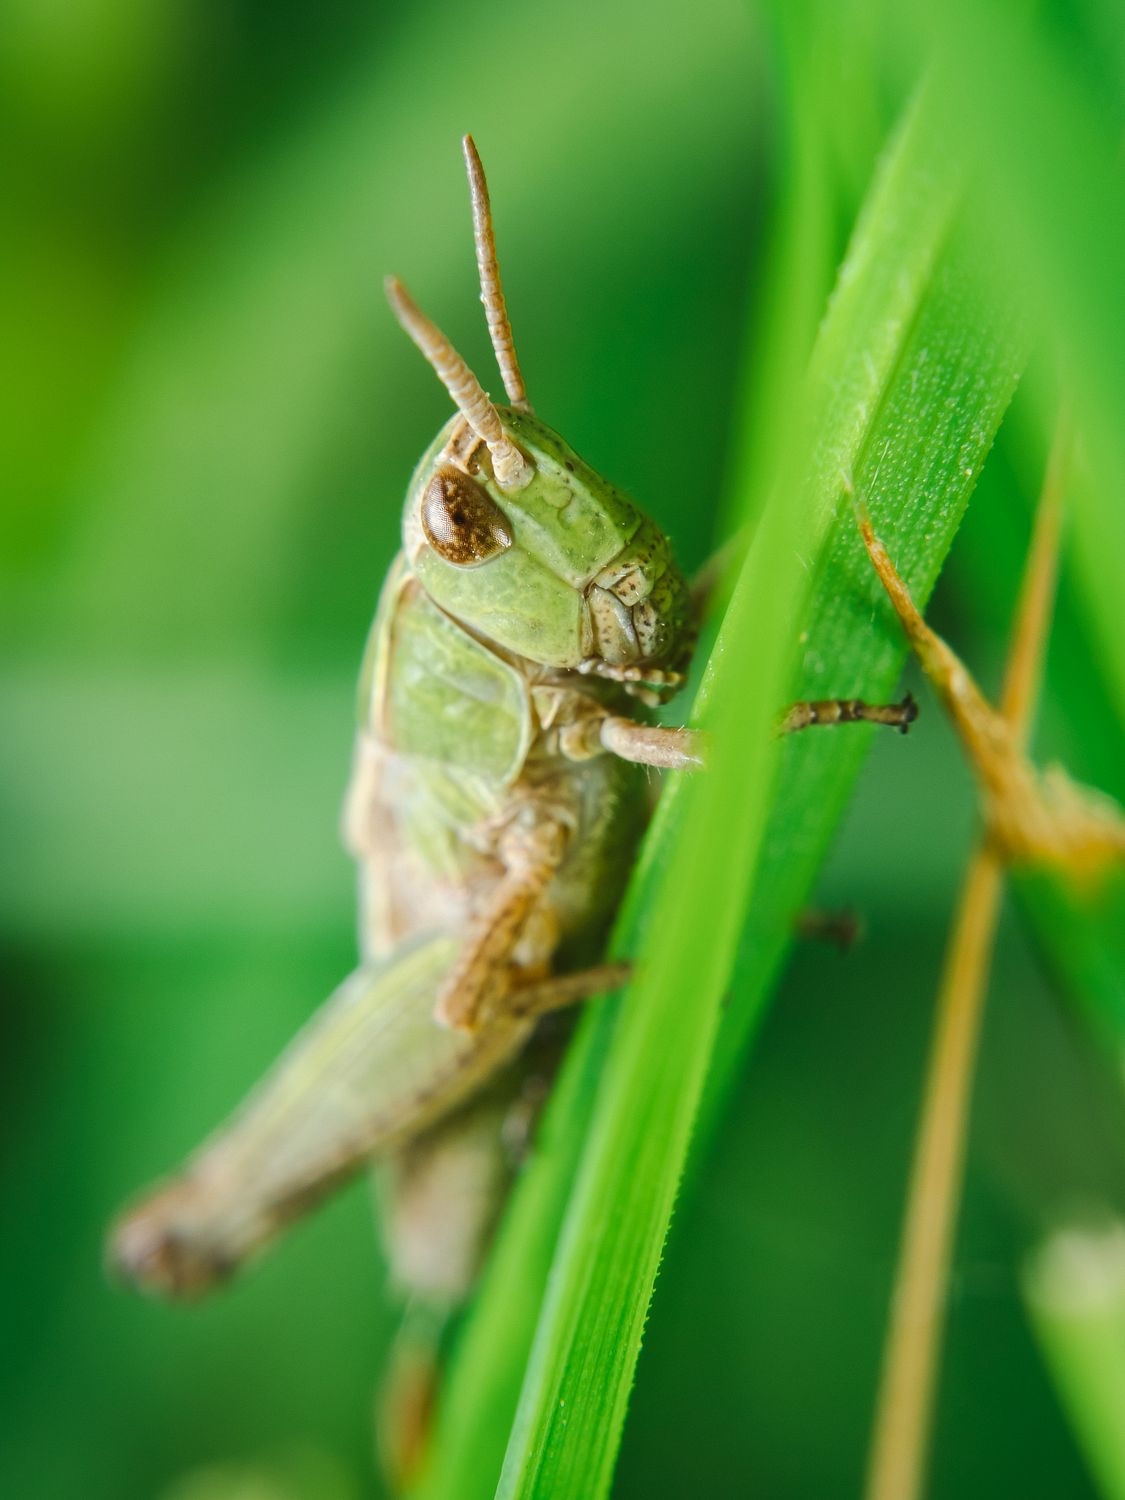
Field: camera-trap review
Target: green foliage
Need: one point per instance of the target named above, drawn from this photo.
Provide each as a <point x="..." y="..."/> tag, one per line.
<point x="210" y="421"/>
<point x="1075" y="1291"/>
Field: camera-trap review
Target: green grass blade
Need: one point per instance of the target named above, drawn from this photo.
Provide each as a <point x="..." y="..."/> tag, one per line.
<point x="572" y="1408"/>
<point x="482" y="1388"/>
<point x="481" y="1393"/>
<point x="915" y="467"/>
<point x="910" y="380"/>
<point x="1074" y="1288"/>
<point x="1021" y="104"/>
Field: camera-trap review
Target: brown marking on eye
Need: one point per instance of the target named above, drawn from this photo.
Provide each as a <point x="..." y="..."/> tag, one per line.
<point x="461" y="521"/>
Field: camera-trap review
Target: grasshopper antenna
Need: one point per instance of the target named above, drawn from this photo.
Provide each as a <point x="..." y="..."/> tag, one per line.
<point x="491" y="288"/>
<point x="511" y="468"/>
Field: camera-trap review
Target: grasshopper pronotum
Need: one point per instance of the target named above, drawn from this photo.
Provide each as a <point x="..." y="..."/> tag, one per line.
<point x="494" y="810"/>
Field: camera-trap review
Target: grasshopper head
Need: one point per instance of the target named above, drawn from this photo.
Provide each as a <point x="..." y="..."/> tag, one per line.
<point x="514" y="536"/>
<point x="564" y="571"/>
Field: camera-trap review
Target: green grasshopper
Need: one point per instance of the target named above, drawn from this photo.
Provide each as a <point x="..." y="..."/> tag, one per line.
<point x="491" y="810"/>
<point x="494" y="810"/>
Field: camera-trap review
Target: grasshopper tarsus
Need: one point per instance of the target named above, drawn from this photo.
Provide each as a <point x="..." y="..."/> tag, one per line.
<point x="909" y="710"/>
<point x="841" y="929"/>
<point x="827" y="712"/>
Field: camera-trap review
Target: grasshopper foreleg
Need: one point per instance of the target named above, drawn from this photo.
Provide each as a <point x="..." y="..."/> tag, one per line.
<point x="681" y="749"/>
<point x="595" y="731"/>
<point x="668" y="749"/>
<point x="671" y="749"/>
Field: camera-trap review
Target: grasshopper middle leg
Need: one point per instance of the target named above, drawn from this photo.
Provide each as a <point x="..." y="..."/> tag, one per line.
<point x="485" y="980"/>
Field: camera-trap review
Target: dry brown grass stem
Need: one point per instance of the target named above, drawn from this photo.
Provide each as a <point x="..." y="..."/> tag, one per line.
<point x="904" y="1411"/>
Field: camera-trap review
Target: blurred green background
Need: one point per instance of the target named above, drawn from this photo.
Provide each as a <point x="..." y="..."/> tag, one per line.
<point x="208" y="421"/>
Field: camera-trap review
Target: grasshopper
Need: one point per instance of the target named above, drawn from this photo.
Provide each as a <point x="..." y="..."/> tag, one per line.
<point x="494" y="809"/>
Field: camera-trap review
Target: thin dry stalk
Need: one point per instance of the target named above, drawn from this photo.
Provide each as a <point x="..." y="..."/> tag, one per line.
<point x="904" y="1412"/>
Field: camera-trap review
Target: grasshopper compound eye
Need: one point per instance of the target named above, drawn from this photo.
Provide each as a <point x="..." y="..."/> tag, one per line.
<point x="461" y="521"/>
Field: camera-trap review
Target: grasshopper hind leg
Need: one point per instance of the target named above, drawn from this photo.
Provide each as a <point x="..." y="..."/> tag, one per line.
<point x="438" y="1201"/>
